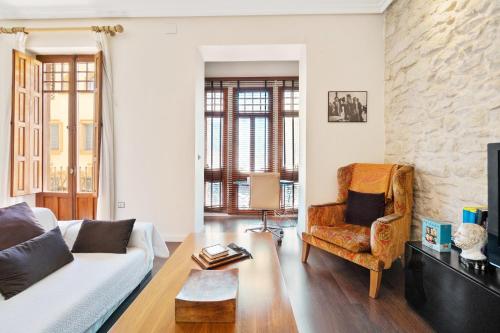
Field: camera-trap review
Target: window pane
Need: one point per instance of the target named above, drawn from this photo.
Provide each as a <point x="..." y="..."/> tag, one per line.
<point x="88" y="132"/>
<point x="57" y="108"/>
<point x="243" y="196"/>
<point x="296" y="143"/>
<point x="290" y="196"/>
<point x="261" y="144"/>
<point x="55" y="77"/>
<point x="214" y="138"/>
<point x="287" y="196"/>
<point x="85" y="76"/>
<point x="81" y="67"/>
<point x="216" y="194"/>
<point x="291" y="100"/>
<point x="295" y="195"/>
<point x="244" y="144"/>
<point x="253" y="101"/>
<point x="290" y="143"/>
<point x="55" y="136"/>
<point x="213" y="194"/>
<point x="85" y="141"/>
<point x="208" y="194"/>
<point x="214" y="101"/>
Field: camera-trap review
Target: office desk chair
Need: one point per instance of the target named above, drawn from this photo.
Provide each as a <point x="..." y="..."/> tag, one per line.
<point x="265" y="196"/>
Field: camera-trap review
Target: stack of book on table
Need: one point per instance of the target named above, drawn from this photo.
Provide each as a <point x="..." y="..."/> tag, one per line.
<point x="218" y="255"/>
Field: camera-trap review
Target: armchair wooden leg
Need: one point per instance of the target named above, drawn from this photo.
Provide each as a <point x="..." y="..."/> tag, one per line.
<point x="375" y="279"/>
<point x="305" y="250"/>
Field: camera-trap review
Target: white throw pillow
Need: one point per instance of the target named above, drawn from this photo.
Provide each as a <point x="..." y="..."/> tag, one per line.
<point x="45" y="217"/>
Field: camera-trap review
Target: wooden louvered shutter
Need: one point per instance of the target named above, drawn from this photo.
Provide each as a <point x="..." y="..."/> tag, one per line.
<point x="27" y="129"/>
<point x="36" y="126"/>
<point x="20" y="125"/>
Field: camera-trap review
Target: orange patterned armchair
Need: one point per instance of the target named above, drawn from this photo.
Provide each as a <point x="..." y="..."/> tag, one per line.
<point x="374" y="248"/>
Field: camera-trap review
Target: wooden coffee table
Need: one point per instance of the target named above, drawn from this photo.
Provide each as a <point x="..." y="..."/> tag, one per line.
<point x="262" y="306"/>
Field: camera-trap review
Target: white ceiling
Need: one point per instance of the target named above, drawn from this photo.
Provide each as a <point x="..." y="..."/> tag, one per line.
<point x="49" y="9"/>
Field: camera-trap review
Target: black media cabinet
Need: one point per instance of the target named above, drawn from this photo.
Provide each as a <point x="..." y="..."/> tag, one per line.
<point x="448" y="296"/>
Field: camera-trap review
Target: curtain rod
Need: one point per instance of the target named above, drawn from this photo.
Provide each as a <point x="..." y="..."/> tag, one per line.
<point x="109" y="29"/>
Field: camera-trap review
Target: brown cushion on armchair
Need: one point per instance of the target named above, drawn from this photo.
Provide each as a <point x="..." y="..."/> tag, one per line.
<point x="364" y="208"/>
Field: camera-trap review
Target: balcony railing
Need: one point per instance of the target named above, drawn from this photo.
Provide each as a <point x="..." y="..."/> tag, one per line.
<point x="86" y="179"/>
<point x="58" y="179"/>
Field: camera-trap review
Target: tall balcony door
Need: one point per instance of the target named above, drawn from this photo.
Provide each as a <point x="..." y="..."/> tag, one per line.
<point x="253" y="140"/>
<point x="71" y="113"/>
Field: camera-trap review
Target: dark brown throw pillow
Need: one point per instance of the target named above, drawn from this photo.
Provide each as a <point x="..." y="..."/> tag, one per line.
<point x="103" y="236"/>
<point x="364" y="208"/>
<point x="29" y="262"/>
<point x="17" y="224"/>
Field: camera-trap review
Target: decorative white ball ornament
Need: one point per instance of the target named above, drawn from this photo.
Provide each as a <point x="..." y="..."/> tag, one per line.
<point x="471" y="238"/>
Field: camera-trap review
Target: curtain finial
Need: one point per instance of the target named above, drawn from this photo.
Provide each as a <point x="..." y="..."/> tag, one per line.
<point x="108" y="29"/>
<point x="13" y="30"/>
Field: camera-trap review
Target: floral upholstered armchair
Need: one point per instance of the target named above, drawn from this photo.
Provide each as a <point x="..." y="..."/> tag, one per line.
<point x="374" y="248"/>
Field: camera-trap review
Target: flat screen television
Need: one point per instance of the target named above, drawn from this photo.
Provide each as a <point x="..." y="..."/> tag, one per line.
<point x="493" y="247"/>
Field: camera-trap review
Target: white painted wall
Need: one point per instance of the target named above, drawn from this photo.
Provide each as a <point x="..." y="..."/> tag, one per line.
<point x="252" y="68"/>
<point x="156" y="76"/>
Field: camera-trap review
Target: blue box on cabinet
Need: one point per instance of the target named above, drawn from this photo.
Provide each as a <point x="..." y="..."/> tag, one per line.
<point x="436" y="235"/>
<point x="473" y="214"/>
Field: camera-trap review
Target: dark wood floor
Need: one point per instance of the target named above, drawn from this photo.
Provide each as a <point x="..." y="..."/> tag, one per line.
<point x="329" y="294"/>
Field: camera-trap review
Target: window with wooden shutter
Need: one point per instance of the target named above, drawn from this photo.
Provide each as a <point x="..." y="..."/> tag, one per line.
<point x="215" y="136"/>
<point x="251" y="126"/>
<point x="289" y="144"/>
<point x="26" y="125"/>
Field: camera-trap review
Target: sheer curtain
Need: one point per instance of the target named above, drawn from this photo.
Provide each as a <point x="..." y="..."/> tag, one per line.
<point x="7" y="44"/>
<point x="106" y="196"/>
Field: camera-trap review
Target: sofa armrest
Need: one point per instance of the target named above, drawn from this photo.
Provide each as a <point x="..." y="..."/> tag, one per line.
<point x="384" y="238"/>
<point x="329" y="214"/>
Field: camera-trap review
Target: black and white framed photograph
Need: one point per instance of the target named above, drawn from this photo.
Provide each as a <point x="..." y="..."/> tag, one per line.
<point x="348" y="106"/>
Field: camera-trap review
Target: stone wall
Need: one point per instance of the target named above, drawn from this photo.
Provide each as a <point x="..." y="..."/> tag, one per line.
<point x="442" y="99"/>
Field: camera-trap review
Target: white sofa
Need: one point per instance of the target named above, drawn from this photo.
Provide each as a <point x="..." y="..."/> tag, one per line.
<point x="80" y="296"/>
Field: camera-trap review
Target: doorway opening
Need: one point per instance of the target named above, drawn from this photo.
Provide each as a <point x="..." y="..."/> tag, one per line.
<point x="253" y="120"/>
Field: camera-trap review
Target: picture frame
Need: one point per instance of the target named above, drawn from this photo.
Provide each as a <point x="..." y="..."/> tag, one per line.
<point x="347" y="106"/>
